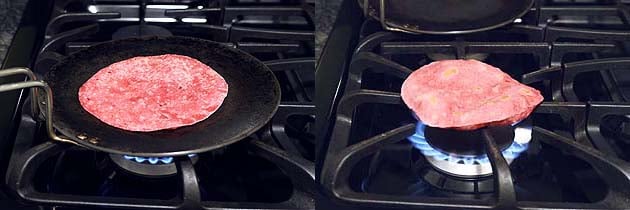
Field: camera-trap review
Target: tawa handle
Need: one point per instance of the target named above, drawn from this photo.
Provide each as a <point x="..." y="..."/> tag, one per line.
<point x="34" y="84"/>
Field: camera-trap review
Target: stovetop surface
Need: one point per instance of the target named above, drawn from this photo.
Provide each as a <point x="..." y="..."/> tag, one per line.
<point x="365" y="149"/>
<point x="270" y="169"/>
<point x="575" y="53"/>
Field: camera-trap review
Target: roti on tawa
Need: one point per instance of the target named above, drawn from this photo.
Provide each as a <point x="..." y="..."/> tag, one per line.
<point x="467" y="95"/>
<point x="150" y="93"/>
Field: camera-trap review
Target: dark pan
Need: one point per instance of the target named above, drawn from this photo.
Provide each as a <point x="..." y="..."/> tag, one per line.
<point x="447" y="16"/>
<point x="253" y="98"/>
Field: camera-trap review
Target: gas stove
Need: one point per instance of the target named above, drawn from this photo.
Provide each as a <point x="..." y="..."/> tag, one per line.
<point x="272" y="169"/>
<point x="571" y="153"/>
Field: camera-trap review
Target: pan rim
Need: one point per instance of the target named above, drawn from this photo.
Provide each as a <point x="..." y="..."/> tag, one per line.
<point x="408" y="30"/>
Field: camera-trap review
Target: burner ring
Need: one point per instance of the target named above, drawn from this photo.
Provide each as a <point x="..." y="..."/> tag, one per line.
<point x="462" y="170"/>
<point x="458" y="184"/>
<point x="147" y="169"/>
<point x="470" y="166"/>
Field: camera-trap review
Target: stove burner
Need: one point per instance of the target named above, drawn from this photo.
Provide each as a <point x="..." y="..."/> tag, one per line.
<point x="152" y="160"/>
<point x="468" y="165"/>
<point x="449" y="183"/>
<point x="466" y="143"/>
<point x="148" y="166"/>
<point x="140" y="30"/>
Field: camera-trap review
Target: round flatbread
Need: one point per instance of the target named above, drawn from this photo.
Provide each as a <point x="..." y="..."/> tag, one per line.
<point x="151" y="93"/>
<point x="467" y="95"/>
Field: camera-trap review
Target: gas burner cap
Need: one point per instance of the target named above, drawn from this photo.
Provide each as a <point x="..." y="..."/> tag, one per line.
<point x="151" y="167"/>
<point x="139" y="31"/>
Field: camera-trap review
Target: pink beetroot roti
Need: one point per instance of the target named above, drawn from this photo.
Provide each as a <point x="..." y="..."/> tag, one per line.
<point x="467" y="95"/>
<point x="151" y="93"/>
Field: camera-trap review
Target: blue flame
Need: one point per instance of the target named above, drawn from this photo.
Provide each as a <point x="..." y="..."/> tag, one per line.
<point x="152" y="160"/>
<point x="513" y="151"/>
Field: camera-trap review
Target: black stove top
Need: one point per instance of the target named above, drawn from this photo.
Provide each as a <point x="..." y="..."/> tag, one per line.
<point x="572" y="153"/>
<point x="272" y="169"/>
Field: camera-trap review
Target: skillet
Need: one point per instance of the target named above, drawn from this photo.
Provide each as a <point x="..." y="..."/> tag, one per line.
<point x="444" y="16"/>
<point x="253" y="98"/>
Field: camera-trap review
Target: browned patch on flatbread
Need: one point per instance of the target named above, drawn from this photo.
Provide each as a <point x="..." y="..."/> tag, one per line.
<point x="525" y="91"/>
<point x="449" y="72"/>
